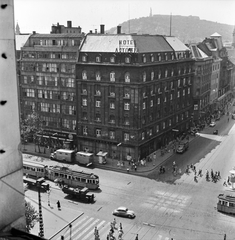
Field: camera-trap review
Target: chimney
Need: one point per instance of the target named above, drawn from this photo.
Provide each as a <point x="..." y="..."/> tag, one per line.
<point x="34" y="32"/>
<point x="119" y="29"/>
<point x="95" y="31"/>
<point x="101" y="28"/>
<point x="90" y="31"/>
<point x="69" y="24"/>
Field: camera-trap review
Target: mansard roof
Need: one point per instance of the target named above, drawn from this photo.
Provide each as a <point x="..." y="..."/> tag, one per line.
<point x="176" y="44"/>
<point x="121" y="42"/>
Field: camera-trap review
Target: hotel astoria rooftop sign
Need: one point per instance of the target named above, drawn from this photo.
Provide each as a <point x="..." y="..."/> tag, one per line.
<point x="126" y="46"/>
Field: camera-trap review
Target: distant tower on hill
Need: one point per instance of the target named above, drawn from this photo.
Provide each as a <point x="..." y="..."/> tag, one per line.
<point x="151" y="14"/>
<point x="17" y="29"/>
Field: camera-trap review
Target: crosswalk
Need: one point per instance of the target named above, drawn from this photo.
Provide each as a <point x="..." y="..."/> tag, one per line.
<point x="83" y="229"/>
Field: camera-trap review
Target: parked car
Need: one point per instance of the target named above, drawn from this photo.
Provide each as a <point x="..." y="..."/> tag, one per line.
<point x="124" y="212"/>
<point x="212" y="124"/>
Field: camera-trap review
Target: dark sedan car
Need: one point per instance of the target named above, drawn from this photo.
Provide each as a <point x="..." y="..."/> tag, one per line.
<point x="124" y="212"/>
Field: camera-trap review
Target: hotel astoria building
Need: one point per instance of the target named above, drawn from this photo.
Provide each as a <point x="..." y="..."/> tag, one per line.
<point x="134" y="93"/>
<point x="47" y="83"/>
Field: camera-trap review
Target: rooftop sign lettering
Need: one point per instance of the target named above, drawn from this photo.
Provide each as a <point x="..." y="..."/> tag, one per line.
<point x="126" y="46"/>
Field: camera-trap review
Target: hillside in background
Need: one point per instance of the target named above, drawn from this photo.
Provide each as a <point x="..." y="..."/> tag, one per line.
<point x="187" y="29"/>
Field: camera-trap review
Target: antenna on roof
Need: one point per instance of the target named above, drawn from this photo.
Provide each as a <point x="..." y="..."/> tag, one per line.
<point x="170" y="23"/>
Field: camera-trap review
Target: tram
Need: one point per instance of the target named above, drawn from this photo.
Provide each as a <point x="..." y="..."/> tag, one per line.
<point x="226" y="203"/>
<point x="63" y="175"/>
<point x="73" y="178"/>
<point x="35" y="170"/>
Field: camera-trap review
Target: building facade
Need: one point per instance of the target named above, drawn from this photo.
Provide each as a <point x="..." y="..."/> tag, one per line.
<point x="48" y="85"/>
<point x="132" y="91"/>
<point x="201" y="85"/>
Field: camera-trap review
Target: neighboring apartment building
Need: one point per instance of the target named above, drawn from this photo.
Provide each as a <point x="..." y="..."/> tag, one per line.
<point x="132" y="91"/>
<point x="201" y="85"/>
<point x="215" y="44"/>
<point x="48" y="85"/>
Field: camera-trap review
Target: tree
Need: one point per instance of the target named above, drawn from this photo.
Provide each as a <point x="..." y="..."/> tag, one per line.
<point x="31" y="128"/>
<point x="31" y="216"/>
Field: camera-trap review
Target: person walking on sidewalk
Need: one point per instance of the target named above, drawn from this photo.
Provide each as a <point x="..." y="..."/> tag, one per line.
<point x="58" y="205"/>
<point x="137" y="238"/>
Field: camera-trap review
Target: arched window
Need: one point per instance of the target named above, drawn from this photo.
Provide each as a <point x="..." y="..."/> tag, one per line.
<point x="127" y="77"/>
<point x="84" y="75"/>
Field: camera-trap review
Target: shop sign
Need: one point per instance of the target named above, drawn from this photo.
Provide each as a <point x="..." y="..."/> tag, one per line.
<point x="126" y="46"/>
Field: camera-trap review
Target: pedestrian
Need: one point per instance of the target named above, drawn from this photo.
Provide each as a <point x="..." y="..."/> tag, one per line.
<point x="120" y="226"/>
<point x="136" y="238"/>
<point x="135" y="167"/>
<point x="225" y="184"/>
<point x="58" y="205"/>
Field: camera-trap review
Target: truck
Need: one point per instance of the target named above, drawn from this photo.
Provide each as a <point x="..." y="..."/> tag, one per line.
<point x="182" y="147"/>
<point x="79" y="193"/>
<point x="64" y="155"/>
<point x="40" y="182"/>
<point x="84" y="158"/>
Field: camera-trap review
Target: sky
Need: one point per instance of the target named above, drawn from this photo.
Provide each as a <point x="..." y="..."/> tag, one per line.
<point x="40" y="15"/>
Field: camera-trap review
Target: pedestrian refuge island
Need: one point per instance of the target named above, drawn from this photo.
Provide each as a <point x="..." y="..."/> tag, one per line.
<point x="232" y="178"/>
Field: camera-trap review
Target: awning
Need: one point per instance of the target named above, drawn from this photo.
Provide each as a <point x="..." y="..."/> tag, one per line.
<point x="101" y="153"/>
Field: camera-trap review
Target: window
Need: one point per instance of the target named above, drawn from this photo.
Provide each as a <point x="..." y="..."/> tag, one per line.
<point x="126" y="106"/>
<point x="158" y="101"/>
<point x="166" y="56"/>
<point x="172" y="85"/>
<point x="97" y="76"/>
<point x="144" y="105"/>
<point x="127" y="59"/>
<point x="98" y="59"/>
<point x="178" y="94"/>
<point x="166" y="73"/>
<point x="188" y="90"/>
<point x="112" y="76"/>
<point x="150" y="132"/>
<point x="84" y="58"/>
<point x="25" y="80"/>
<point x="183" y="92"/>
<point x="111" y="134"/>
<point x="112" y="119"/>
<point x="172" y="56"/>
<point x="151" y="103"/>
<point x="171" y="96"/>
<point x="143" y="135"/>
<point x="163" y="125"/>
<point x="157" y="128"/>
<point x="126" y="121"/>
<point x="112" y="105"/>
<point x="179" y="83"/>
<point x="152" y="58"/>
<point x="98" y="117"/>
<point x="184" y="81"/>
<point x="169" y="122"/>
<point x="97" y="103"/>
<point x="84" y="75"/>
<point x="159" y="57"/>
<point x="98" y="132"/>
<point x="127" y="77"/>
<point x="152" y="75"/>
<point x="84" y="115"/>
<point x="172" y="72"/>
<point x="84" y="131"/>
<point x="177" y="118"/>
<point x="144" y="58"/>
<point x="112" y="59"/>
<point x="144" y="76"/>
<point x="159" y="74"/>
<point x="126" y="136"/>
<point x="39" y="93"/>
<point x="84" y="102"/>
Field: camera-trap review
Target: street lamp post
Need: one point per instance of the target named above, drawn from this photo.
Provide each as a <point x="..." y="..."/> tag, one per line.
<point x="41" y="228"/>
<point x="120" y="151"/>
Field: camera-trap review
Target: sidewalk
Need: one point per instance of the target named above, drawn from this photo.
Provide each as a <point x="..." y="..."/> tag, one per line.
<point x="113" y="164"/>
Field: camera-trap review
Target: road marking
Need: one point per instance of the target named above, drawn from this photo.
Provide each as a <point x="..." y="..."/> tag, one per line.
<point x="86" y="229"/>
<point x="91" y="232"/>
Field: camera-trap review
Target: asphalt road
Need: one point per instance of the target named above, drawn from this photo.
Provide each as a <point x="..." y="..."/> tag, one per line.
<point x="166" y="206"/>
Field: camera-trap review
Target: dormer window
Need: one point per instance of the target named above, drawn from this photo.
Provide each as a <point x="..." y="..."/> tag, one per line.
<point x="172" y="56"/>
<point x="144" y="58"/>
<point x="166" y="57"/>
<point x="98" y="59"/>
<point x="152" y="58"/>
<point x="112" y="59"/>
<point x="84" y="58"/>
<point x="159" y="57"/>
<point x="127" y="60"/>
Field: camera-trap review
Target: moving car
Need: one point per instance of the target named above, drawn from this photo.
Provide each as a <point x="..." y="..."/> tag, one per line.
<point x="212" y="124"/>
<point x="124" y="212"/>
<point x="182" y="147"/>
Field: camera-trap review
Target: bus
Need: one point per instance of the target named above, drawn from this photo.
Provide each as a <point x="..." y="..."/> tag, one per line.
<point x="35" y="170"/>
<point x="226" y="203"/>
<point x="73" y="178"/>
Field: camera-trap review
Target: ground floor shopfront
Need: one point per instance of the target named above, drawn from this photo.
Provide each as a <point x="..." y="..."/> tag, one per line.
<point x="127" y="150"/>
